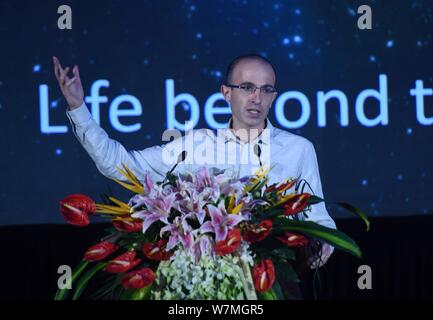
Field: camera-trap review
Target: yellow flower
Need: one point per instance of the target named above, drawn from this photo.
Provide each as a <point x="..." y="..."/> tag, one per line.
<point x="121" y="209"/>
<point x="135" y="185"/>
<point x="285" y="198"/>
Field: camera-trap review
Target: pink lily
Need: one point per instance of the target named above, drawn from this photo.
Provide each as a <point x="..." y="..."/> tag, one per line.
<point x="180" y="231"/>
<point x="221" y="222"/>
<point x="138" y="200"/>
<point x="157" y="210"/>
<point x="203" y="246"/>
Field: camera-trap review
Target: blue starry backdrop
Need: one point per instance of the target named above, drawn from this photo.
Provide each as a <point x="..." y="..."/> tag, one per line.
<point x="138" y="56"/>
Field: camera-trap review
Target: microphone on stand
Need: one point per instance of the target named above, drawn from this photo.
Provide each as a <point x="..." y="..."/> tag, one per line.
<point x="180" y="158"/>
<point x="258" y="152"/>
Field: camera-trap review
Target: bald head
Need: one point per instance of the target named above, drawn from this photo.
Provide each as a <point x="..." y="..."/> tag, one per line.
<point x="236" y="63"/>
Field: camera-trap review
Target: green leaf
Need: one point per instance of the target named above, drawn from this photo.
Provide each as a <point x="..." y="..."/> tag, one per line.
<point x="356" y="211"/>
<point x="286" y="272"/>
<point x="284" y="253"/>
<point x="259" y="186"/>
<point x="140" y="294"/>
<point x="271" y="213"/>
<point x="278" y="292"/>
<point x="334" y="237"/>
<point x="226" y="202"/>
<point x="116" y="293"/>
<point x="268" y="295"/>
<point x="104" y="289"/>
<point x="61" y="294"/>
<point x="315" y="199"/>
<point x="85" y="279"/>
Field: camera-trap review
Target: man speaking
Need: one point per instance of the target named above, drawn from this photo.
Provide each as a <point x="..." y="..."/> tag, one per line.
<point x="249" y="141"/>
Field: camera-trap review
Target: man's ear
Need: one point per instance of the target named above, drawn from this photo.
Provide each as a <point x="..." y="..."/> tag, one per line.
<point x="226" y="92"/>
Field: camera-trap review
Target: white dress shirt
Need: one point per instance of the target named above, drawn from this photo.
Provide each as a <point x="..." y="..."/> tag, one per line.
<point x="288" y="155"/>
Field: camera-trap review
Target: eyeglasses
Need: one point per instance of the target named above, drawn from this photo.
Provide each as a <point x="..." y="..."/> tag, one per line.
<point x="249" y="88"/>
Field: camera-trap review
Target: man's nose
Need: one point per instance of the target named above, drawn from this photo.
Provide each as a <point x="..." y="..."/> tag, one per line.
<point x="256" y="96"/>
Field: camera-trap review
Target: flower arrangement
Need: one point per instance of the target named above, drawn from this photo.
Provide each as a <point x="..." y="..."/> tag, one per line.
<point x="198" y="236"/>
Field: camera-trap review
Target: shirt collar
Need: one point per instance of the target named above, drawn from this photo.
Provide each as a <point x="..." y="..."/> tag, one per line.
<point x="230" y="136"/>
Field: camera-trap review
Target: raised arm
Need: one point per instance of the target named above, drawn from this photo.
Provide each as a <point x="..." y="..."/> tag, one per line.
<point x="105" y="152"/>
<point x="71" y="88"/>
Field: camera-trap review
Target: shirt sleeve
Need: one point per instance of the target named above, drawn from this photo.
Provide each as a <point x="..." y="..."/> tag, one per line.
<point x="310" y="172"/>
<point x="108" y="153"/>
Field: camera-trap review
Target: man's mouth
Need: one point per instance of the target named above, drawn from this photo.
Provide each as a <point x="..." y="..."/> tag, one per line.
<point x="253" y="111"/>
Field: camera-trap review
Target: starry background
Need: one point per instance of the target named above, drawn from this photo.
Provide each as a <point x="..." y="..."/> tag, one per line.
<point x="136" y="45"/>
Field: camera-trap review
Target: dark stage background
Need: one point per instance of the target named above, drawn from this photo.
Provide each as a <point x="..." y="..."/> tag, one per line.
<point x="373" y="139"/>
<point x="131" y="50"/>
<point x="398" y="250"/>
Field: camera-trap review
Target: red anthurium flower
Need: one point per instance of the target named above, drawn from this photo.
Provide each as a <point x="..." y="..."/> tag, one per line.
<point x="128" y="226"/>
<point x="100" y="251"/>
<point x="286" y="186"/>
<point x="264" y="275"/>
<point x="282" y="187"/>
<point x="122" y="263"/>
<point x="230" y="244"/>
<point x="138" y="279"/>
<point x="75" y="209"/>
<point x="293" y="239"/>
<point x="271" y="188"/>
<point x="258" y="232"/>
<point x="156" y="250"/>
<point x="296" y="204"/>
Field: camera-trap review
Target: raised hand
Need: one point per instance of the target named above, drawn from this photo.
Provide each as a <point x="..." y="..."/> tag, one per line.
<point x="71" y="88"/>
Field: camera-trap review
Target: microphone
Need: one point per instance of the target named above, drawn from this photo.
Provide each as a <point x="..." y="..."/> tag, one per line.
<point x="181" y="157"/>
<point x="258" y="152"/>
